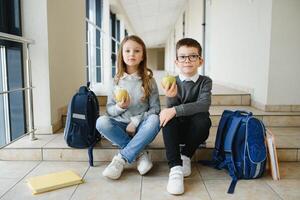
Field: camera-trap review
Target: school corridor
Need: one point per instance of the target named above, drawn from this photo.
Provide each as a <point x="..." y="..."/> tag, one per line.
<point x="49" y="48"/>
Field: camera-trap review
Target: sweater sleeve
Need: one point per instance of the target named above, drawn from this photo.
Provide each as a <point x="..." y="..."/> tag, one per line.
<point x="201" y="105"/>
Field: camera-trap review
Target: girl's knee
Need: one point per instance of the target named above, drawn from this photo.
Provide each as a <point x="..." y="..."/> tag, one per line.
<point x="103" y="123"/>
<point x="154" y="119"/>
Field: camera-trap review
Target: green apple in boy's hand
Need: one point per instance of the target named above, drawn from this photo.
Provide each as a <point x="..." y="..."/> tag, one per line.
<point x="121" y="95"/>
<point x="167" y="81"/>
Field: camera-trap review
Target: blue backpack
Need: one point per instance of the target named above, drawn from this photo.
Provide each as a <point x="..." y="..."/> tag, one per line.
<point x="240" y="146"/>
<point x="80" y="129"/>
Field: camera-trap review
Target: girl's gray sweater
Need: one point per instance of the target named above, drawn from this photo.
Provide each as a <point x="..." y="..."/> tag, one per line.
<point x="138" y="109"/>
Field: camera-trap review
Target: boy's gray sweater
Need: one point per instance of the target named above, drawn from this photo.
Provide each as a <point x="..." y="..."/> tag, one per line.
<point x="191" y="97"/>
<point x="138" y="109"/>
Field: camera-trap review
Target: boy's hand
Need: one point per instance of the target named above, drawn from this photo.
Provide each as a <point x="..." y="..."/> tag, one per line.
<point x="166" y="115"/>
<point x="124" y="103"/>
<point x="171" y="91"/>
<point x="130" y="129"/>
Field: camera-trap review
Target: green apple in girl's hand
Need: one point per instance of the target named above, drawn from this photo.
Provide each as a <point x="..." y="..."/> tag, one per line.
<point x="121" y="94"/>
<point x="167" y="81"/>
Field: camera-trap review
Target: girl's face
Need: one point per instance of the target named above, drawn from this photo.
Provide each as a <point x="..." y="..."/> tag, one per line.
<point x="132" y="53"/>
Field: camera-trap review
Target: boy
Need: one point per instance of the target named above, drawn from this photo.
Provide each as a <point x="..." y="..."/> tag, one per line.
<point x="186" y="119"/>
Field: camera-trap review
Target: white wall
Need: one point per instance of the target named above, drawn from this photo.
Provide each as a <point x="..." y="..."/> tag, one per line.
<point x="66" y="29"/>
<point x="194" y="20"/>
<point x="193" y="28"/>
<point x="284" y="82"/>
<point x="155" y="58"/>
<point x="35" y="27"/>
<point x="238" y="41"/>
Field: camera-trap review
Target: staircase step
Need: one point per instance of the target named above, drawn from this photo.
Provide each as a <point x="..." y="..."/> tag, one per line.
<point x="221" y="95"/>
<point x="53" y="147"/>
<point x="272" y="119"/>
<point x="217" y="100"/>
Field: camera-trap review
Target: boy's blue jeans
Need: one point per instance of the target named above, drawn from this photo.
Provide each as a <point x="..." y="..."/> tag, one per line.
<point x="131" y="147"/>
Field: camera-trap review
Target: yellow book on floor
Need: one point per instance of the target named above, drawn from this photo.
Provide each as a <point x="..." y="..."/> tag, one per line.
<point x="53" y="181"/>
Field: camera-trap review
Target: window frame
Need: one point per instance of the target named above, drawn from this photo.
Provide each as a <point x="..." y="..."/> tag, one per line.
<point x="94" y="52"/>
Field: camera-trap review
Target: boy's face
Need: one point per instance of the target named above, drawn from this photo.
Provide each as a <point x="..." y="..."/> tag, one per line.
<point x="188" y="60"/>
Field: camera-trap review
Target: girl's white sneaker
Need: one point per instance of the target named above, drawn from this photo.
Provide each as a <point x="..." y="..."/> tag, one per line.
<point x="115" y="168"/>
<point x="144" y="163"/>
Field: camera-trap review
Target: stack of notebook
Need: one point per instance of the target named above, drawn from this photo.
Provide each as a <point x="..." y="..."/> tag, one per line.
<point x="273" y="160"/>
<point x="40" y="184"/>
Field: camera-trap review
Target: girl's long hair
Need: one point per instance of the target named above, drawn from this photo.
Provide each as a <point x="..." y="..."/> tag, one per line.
<point x="145" y="73"/>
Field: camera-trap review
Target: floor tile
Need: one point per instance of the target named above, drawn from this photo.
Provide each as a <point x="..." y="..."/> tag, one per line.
<point x="245" y="189"/>
<point x="6" y="184"/>
<point x="286" y="189"/>
<point x="16" y="169"/>
<point x="25" y="142"/>
<point x="155" y="188"/>
<point x="209" y="173"/>
<point x="98" y="187"/>
<point x="22" y="191"/>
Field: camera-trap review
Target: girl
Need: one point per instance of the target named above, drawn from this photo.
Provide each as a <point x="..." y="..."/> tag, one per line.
<point x="133" y="122"/>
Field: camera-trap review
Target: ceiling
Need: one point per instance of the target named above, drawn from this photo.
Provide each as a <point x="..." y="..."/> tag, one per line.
<point x="153" y="20"/>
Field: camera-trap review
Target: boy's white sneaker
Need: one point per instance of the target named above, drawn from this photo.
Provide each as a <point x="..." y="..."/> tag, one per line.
<point x="144" y="163"/>
<point x="175" y="184"/>
<point x="186" y="165"/>
<point x="115" y="168"/>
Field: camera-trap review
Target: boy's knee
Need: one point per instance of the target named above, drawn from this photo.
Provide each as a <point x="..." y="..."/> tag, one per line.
<point x="201" y="120"/>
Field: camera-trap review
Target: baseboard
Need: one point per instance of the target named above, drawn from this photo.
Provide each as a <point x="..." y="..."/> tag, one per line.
<point x="43" y="130"/>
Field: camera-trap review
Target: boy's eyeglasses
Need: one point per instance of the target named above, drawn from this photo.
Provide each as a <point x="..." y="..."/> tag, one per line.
<point x="192" y="58"/>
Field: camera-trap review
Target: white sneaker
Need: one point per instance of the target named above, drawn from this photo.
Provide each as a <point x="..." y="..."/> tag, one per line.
<point x="115" y="168"/>
<point x="186" y="165"/>
<point x="175" y="183"/>
<point x="144" y="163"/>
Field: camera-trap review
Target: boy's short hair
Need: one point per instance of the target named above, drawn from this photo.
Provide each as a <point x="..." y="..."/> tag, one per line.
<point x="189" y="42"/>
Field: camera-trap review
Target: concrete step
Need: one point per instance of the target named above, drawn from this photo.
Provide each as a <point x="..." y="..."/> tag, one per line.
<point x="221" y="95"/>
<point x="53" y="147"/>
<point x="217" y="100"/>
<point x="272" y="119"/>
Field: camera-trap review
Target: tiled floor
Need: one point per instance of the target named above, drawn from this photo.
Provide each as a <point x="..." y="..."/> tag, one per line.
<point x="204" y="183"/>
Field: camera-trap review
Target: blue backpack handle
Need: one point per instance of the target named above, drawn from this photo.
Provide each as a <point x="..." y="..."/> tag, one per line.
<point x="242" y="112"/>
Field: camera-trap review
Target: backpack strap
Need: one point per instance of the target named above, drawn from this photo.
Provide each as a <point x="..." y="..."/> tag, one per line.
<point x="221" y="128"/>
<point x="229" y="161"/>
<point x="90" y="152"/>
<point x="216" y="161"/>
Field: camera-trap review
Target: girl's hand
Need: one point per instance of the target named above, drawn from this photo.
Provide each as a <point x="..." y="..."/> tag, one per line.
<point x="171" y="91"/>
<point x="130" y="129"/>
<point x="124" y="103"/>
<point x="166" y="115"/>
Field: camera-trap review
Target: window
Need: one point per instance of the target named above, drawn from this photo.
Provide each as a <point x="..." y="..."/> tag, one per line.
<point x="94" y="41"/>
<point x="183" y="25"/>
<point x="10" y="17"/>
<point x="12" y="96"/>
<point x="115" y="40"/>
